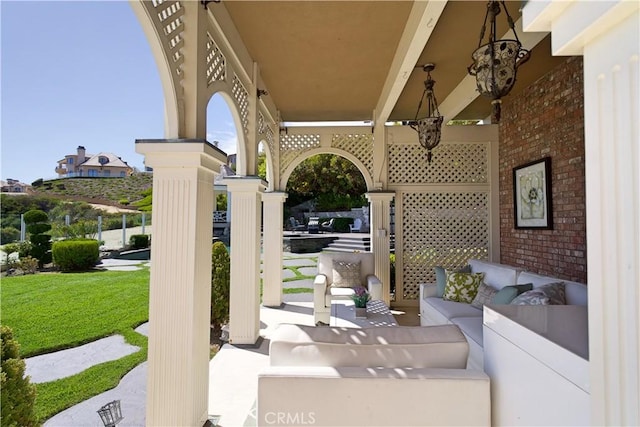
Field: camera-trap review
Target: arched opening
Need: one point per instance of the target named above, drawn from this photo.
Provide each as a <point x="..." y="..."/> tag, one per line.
<point x="221" y="132"/>
<point x="328" y="186"/>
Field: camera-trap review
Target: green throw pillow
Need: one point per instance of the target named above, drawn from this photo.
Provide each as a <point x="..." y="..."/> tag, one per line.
<point x="462" y="287"/>
<point x="508" y="293"/>
<point x="441" y="278"/>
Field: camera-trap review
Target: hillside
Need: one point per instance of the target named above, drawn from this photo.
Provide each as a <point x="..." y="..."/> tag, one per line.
<point x="108" y="191"/>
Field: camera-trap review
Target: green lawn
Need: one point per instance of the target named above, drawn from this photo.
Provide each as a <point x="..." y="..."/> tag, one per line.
<point x="48" y="312"/>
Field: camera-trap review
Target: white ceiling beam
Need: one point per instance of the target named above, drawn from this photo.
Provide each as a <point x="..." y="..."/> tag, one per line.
<point x="465" y="93"/>
<point x="422" y="20"/>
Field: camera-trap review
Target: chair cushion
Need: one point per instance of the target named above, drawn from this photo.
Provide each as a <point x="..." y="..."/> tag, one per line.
<point x="471" y="327"/>
<point x="346" y="274"/>
<point x="462" y="287"/>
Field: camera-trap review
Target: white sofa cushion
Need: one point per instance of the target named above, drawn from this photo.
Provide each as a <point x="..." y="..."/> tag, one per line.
<point x="451" y="309"/>
<point x="386" y="346"/>
<point x="495" y="275"/>
<point x="376" y="396"/>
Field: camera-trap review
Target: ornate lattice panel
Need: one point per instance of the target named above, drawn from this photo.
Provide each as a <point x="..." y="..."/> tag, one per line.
<point x="451" y="164"/>
<point x="443" y="228"/>
<point x="170" y="16"/>
<point x="216" y="62"/>
<point x="361" y="146"/>
<point x="242" y="98"/>
<point x="269" y="136"/>
<point x="291" y="146"/>
<point x="260" y="123"/>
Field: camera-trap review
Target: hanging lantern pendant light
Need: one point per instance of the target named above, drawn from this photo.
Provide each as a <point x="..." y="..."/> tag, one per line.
<point x="428" y="128"/>
<point x="495" y="63"/>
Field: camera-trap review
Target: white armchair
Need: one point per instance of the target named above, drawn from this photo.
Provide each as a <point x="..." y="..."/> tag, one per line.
<point x="326" y="289"/>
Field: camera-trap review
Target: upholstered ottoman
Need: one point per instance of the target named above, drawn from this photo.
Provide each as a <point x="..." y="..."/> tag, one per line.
<point x="441" y="346"/>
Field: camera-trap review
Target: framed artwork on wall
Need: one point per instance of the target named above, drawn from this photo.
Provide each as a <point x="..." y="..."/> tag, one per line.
<point x="532" y="195"/>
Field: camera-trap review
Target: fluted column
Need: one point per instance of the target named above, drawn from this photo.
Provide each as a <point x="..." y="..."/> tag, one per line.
<point x="607" y="34"/>
<point x="246" y="215"/>
<point x="380" y="213"/>
<point x="273" y="204"/>
<point x="180" y="284"/>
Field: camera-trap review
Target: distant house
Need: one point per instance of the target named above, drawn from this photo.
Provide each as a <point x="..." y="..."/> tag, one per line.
<point x="14" y="186"/>
<point x="98" y="165"/>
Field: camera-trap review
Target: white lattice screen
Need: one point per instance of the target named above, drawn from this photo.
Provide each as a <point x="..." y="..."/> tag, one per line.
<point x="360" y="145"/>
<point x="216" y="62"/>
<point x="443" y="229"/>
<point x="451" y="164"/>
<point x="292" y="146"/>
<point x="170" y="16"/>
<point x="242" y="99"/>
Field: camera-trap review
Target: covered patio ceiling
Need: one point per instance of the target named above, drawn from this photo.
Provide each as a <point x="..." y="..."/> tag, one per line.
<point x="345" y="60"/>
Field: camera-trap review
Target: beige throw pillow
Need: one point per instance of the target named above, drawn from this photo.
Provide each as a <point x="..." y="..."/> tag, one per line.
<point x="346" y="274"/>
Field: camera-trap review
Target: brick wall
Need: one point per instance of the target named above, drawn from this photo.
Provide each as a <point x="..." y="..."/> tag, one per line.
<point x="546" y="120"/>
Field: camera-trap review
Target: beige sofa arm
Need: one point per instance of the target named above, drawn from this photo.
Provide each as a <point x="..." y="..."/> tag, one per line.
<point x="374" y="286"/>
<point x="391" y="396"/>
<point x="319" y="290"/>
<point x="428" y="290"/>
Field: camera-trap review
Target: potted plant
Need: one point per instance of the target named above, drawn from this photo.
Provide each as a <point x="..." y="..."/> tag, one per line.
<point x="360" y="298"/>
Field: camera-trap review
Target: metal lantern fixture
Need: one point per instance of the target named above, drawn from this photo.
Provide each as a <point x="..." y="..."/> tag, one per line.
<point x="429" y="127"/>
<point x="495" y="63"/>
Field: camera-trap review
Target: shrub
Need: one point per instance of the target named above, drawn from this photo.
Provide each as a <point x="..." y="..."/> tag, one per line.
<point x="28" y="265"/>
<point x="124" y="201"/>
<point x="76" y="254"/>
<point x="220" y="285"/>
<point x="17" y="394"/>
<point x="341" y="225"/>
<point x="37" y="224"/>
<point x="9" y="234"/>
<point x="139" y="241"/>
<point x="37" y="183"/>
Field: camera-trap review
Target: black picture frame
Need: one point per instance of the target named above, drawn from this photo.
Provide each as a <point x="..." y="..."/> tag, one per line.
<point x="532" y="203"/>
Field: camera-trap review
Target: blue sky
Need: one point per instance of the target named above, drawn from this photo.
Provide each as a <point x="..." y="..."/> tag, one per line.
<point x="80" y="73"/>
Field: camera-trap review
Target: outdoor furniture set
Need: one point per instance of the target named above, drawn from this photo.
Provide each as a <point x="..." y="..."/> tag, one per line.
<point x="396" y="375"/>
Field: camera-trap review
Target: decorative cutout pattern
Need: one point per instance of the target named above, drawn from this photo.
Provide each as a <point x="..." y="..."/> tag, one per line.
<point x="451" y="164"/>
<point x="242" y="99"/>
<point x="361" y="146"/>
<point x="269" y="137"/>
<point x="292" y="146"/>
<point x="170" y="16"/>
<point x="216" y="62"/>
<point x="260" y="123"/>
<point x="443" y="228"/>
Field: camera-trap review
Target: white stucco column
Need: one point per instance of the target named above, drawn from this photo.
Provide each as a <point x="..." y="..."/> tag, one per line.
<point x="246" y="215"/>
<point x="180" y="284"/>
<point x="380" y="217"/>
<point x="607" y="34"/>
<point x="273" y="206"/>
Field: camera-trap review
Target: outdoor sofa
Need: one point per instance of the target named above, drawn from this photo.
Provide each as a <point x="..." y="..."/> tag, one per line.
<point x="380" y="376"/>
<point x="513" y="285"/>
